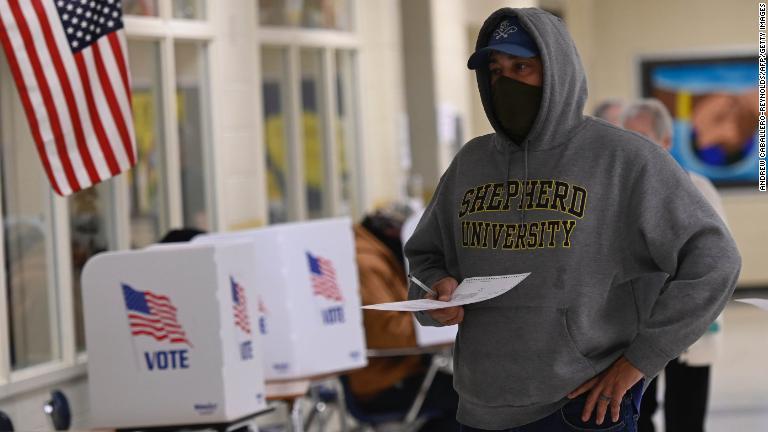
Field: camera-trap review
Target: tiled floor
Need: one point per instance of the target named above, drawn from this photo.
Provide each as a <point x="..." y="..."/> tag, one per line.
<point x="739" y="393"/>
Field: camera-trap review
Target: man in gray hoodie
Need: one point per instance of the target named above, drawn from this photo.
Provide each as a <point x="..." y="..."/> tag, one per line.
<point x="588" y="209"/>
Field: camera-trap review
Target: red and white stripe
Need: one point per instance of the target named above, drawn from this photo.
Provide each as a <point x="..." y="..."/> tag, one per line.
<point x="325" y="285"/>
<point x="240" y="310"/>
<point x="78" y="105"/>
<point x="161" y="324"/>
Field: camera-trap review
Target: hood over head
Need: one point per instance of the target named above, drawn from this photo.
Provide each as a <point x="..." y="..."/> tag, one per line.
<point x="564" y="91"/>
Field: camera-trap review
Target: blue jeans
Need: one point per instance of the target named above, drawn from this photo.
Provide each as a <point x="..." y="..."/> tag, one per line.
<point x="568" y="418"/>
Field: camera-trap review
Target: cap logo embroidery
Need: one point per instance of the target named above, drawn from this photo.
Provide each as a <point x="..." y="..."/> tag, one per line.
<point x="505" y="28"/>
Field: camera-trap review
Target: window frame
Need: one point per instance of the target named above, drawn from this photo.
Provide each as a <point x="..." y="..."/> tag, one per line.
<point x="71" y="364"/>
<point x="60" y="296"/>
<point x="292" y="40"/>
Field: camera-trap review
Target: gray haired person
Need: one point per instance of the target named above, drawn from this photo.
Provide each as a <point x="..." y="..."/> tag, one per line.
<point x="610" y="110"/>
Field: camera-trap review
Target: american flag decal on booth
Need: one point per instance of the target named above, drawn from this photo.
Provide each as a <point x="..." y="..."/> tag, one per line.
<point x="326" y="286"/>
<point x="240" y="307"/>
<point x="323" y="278"/>
<point x="154" y="316"/>
<point x="69" y="61"/>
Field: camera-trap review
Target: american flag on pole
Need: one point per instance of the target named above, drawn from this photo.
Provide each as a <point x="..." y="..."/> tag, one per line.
<point x="153" y="315"/>
<point x="323" y="278"/>
<point x="69" y="61"/>
<point x="240" y="307"/>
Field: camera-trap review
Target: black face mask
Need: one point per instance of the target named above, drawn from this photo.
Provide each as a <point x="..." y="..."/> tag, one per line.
<point x="516" y="105"/>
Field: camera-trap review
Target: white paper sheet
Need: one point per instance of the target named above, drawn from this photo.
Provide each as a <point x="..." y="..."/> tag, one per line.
<point x="470" y="290"/>
<point x="759" y="302"/>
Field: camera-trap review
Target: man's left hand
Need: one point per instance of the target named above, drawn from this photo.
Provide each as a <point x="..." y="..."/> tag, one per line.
<point x="606" y="389"/>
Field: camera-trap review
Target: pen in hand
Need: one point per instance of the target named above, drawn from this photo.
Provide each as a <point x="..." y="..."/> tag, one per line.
<point x="421" y="285"/>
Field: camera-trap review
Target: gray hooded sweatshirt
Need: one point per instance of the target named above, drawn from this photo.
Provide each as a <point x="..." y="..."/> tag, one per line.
<point x="600" y="217"/>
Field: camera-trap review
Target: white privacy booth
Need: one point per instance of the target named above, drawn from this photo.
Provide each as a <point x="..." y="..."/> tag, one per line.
<point x="426" y="336"/>
<point x="172" y="335"/>
<point x="309" y="314"/>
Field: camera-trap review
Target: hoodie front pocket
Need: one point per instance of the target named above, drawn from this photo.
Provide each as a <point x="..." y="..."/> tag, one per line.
<point x="518" y="356"/>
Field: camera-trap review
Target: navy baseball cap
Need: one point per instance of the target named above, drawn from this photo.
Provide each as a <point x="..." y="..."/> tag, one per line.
<point x="509" y="37"/>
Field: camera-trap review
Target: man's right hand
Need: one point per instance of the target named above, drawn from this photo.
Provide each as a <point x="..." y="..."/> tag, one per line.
<point x="450" y="315"/>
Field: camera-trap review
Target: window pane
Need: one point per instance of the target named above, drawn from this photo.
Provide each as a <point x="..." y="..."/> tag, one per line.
<point x="191" y="101"/>
<point x="32" y="311"/>
<point x="312" y="123"/>
<point x="344" y="127"/>
<point x="140" y="7"/>
<point x="147" y="178"/>
<point x="329" y="14"/>
<point x="189" y="9"/>
<point x="274" y="87"/>
<point x="91" y="226"/>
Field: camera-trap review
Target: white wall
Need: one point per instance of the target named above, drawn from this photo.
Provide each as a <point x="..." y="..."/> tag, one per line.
<point x="451" y="76"/>
<point x="382" y="101"/>
<point x="236" y="90"/>
<point x="420" y="90"/>
<point x="437" y="84"/>
<point x="611" y="34"/>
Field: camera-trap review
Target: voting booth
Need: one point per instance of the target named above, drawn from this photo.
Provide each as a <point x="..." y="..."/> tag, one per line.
<point x="309" y="310"/>
<point x="426" y="336"/>
<point x="430" y="336"/>
<point x="173" y="336"/>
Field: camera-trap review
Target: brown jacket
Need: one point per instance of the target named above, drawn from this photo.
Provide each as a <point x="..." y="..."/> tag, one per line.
<point x="382" y="280"/>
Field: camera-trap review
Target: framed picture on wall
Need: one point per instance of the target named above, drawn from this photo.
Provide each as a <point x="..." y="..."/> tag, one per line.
<point x="714" y="106"/>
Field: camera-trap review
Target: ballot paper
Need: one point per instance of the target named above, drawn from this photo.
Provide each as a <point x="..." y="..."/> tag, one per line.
<point x="759" y="302"/>
<point x="470" y="290"/>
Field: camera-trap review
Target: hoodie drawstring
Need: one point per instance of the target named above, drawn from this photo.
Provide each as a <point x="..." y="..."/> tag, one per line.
<point x="525" y="182"/>
<point x="525" y="176"/>
<point x="506" y="179"/>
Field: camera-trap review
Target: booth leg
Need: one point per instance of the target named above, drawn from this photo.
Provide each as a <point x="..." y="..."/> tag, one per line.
<point x="296" y="421"/>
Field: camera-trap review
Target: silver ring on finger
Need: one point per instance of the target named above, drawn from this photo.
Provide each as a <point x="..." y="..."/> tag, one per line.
<point x="605" y="398"/>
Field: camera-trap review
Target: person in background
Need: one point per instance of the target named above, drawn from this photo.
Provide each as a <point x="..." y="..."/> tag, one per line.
<point x="180" y="235"/>
<point x="686" y="377"/>
<point x="391" y="383"/>
<point x="610" y="110"/>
